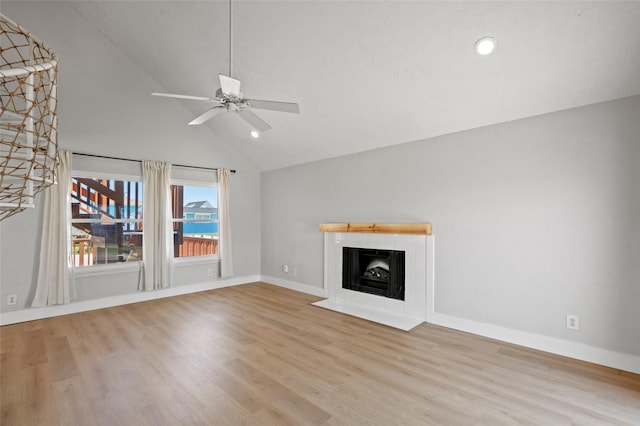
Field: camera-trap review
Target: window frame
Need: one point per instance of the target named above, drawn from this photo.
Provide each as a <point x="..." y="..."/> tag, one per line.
<point x="207" y="258"/>
<point x="104" y="268"/>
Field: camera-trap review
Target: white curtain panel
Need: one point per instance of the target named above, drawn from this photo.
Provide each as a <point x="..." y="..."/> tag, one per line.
<point x="55" y="284"/>
<point x="157" y="227"/>
<point x="226" y="263"/>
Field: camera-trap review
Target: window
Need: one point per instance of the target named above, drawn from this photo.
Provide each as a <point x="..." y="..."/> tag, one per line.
<point x="195" y="220"/>
<point x="107" y="213"/>
<point x="106" y="224"/>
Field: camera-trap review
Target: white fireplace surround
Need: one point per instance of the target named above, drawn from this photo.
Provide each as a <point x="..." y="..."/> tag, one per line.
<point x="406" y="314"/>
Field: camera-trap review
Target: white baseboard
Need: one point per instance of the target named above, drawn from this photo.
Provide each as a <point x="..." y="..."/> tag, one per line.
<point x="618" y="360"/>
<point x="575" y="350"/>
<point x="31" y="314"/>
<point x="292" y="285"/>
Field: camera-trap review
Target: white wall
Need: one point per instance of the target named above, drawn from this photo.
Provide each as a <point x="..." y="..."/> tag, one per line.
<point x="105" y="108"/>
<point x="532" y="219"/>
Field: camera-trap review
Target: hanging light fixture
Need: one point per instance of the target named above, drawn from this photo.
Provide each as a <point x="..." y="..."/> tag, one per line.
<point x="28" y="117"/>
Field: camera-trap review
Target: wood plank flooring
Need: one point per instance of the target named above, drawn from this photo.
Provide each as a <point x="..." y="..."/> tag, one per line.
<point x="257" y="354"/>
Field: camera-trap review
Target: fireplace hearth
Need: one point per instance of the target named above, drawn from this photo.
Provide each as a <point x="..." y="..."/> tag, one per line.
<point x="373" y="271"/>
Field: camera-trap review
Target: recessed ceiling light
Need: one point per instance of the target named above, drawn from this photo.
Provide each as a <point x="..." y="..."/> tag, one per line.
<point x="255" y="134"/>
<point x="485" y="46"/>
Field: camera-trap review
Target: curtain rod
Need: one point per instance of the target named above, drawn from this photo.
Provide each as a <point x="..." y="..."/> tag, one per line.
<point x="140" y="161"/>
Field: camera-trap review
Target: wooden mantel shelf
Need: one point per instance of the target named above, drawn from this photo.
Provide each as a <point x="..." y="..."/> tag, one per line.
<point x="378" y="228"/>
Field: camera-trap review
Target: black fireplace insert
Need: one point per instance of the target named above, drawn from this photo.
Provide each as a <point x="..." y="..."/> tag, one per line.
<point x="373" y="271"/>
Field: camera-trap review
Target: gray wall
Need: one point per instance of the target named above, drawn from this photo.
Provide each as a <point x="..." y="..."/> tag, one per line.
<point x="532" y="219"/>
<point x="105" y="108"/>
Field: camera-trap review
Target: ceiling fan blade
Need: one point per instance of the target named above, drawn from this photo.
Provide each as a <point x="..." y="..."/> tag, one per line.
<point x="255" y="121"/>
<point x="274" y="105"/>
<point x="193" y="98"/>
<point x="230" y="86"/>
<point x="206" y="116"/>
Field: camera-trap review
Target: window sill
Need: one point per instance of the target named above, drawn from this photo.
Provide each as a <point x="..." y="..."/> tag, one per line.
<point x="124" y="267"/>
<point x="195" y="260"/>
<point x="114" y="268"/>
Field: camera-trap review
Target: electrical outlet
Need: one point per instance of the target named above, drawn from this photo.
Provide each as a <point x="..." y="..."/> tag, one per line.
<point x="210" y="272"/>
<point x="295" y="272"/>
<point x="12" y="299"/>
<point x="285" y="268"/>
<point x="573" y="322"/>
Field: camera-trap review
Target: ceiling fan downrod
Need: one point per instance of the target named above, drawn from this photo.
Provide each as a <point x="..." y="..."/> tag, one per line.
<point x="230" y="38"/>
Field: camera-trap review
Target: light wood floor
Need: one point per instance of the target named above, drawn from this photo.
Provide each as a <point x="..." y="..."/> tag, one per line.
<point x="258" y="354"/>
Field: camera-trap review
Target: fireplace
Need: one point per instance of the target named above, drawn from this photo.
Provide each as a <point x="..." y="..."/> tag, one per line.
<point x="373" y="271"/>
<point x="357" y="257"/>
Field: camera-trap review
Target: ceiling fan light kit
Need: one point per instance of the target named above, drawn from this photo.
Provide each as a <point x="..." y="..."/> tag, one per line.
<point x="229" y="98"/>
<point x="485" y="46"/>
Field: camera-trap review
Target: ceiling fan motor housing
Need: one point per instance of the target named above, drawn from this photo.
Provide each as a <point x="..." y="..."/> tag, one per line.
<point x="231" y="103"/>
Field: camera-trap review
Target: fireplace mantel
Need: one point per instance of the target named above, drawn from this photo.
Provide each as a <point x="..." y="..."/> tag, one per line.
<point x="379" y="228"/>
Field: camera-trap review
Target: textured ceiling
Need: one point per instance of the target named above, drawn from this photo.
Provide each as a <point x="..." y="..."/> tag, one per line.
<point x="372" y="74"/>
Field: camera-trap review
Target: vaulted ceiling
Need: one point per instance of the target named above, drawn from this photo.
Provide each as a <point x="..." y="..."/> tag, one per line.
<point x="368" y="74"/>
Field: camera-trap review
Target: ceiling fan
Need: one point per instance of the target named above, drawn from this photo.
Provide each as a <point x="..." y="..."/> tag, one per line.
<point x="228" y="98"/>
